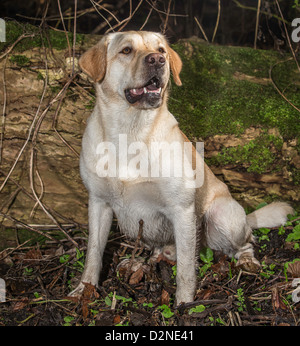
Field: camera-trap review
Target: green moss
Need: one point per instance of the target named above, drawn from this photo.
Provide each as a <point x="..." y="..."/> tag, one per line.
<point x="20" y="60"/>
<point x="46" y="37"/>
<point x="257" y="155"/>
<point x="226" y="90"/>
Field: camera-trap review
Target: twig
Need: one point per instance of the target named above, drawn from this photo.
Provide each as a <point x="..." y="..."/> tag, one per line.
<point x="24" y="225"/>
<point x="200" y="27"/>
<point x="3" y="110"/>
<point x="203" y="314"/>
<point x="255" y="9"/>
<point x="64" y="27"/>
<point x="48" y="208"/>
<point x="257" y="22"/>
<point x="124" y="22"/>
<point x="16" y="42"/>
<point x="136" y="245"/>
<point x="217" y="22"/>
<point x="287" y="36"/>
<point x="276" y="87"/>
<point x="167" y="17"/>
<point x="41" y="194"/>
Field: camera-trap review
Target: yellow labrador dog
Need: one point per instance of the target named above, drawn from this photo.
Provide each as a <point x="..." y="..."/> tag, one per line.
<point x="135" y="163"/>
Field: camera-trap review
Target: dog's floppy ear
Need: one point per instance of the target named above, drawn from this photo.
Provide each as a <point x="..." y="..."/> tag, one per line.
<point x="93" y="61"/>
<point x="176" y="65"/>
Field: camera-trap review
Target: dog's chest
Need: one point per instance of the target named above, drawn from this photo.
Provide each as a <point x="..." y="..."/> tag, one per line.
<point x="142" y="201"/>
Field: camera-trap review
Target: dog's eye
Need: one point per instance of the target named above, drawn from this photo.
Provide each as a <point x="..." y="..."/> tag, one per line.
<point x="161" y="50"/>
<point x="126" y="50"/>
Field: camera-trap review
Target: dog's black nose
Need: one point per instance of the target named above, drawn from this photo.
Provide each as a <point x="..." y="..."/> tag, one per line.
<point x="155" y="60"/>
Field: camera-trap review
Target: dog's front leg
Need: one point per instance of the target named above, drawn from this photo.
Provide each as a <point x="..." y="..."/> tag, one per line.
<point x="100" y="220"/>
<point x="185" y="239"/>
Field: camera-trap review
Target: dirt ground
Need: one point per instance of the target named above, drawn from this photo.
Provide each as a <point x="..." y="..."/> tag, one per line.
<point x="136" y="292"/>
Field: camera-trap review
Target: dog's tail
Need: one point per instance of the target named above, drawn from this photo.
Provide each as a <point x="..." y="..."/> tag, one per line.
<point x="272" y="215"/>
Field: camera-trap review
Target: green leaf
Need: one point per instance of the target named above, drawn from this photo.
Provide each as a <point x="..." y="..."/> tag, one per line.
<point x="264" y="230"/>
<point x="166" y="311"/>
<point x="206" y="255"/>
<point x="261" y="205"/>
<point x="107" y="301"/>
<point x="295" y="235"/>
<point x="198" y="308"/>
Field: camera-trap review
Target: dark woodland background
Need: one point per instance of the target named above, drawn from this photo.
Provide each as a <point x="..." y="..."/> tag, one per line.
<point x="175" y="18"/>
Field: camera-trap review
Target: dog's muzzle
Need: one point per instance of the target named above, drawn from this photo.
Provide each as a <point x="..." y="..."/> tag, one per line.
<point x="150" y="93"/>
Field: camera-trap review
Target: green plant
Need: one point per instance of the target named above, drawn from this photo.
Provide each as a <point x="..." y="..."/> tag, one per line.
<point x="206" y="256"/>
<point x="68" y="320"/>
<point x="241" y="300"/>
<point x="64" y="258"/>
<point x="174" y="271"/>
<point x="148" y="305"/>
<point x="79" y="262"/>
<point x="122" y="299"/>
<point x="295" y="235"/>
<point x="28" y="271"/>
<point x="267" y="270"/>
<point x="165" y="310"/>
<point x="198" y="308"/>
<point x="216" y="320"/>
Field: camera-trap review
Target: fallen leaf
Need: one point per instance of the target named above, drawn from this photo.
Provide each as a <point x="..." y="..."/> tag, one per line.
<point x="130" y="264"/>
<point x="205" y="294"/>
<point x="117" y="319"/>
<point x="277" y="302"/>
<point x="222" y="267"/>
<point x="161" y="257"/>
<point x="19" y="305"/>
<point x="165" y="298"/>
<point x="136" y="277"/>
<point x="33" y="254"/>
<point x="294" y="269"/>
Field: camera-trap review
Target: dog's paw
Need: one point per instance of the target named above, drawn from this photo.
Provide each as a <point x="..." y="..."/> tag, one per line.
<point x="248" y="263"/>
<point x="78" y="291"/>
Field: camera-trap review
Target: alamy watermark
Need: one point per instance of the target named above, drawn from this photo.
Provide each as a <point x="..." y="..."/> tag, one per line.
<point x="296" y="32"/>
<point x="134" y="160"/>
<point x="2" y="291"/>
<point x="2" y="30"/>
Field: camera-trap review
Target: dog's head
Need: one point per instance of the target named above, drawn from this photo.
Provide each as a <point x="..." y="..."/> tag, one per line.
<point x="133" y="65"/>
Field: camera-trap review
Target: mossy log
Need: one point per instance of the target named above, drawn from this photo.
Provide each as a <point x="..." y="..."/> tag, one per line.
<point x="227" y="100"/>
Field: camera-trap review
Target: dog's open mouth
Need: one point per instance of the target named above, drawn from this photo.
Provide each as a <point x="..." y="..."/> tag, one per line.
<point x="152" y="89"/>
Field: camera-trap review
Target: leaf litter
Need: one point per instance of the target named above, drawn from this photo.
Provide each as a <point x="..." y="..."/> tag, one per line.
<point x="137" y="291"/>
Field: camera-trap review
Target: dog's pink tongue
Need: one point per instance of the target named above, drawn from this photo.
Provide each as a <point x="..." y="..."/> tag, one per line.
<point x="152" y="87"/>
<point x="138" y="91"/>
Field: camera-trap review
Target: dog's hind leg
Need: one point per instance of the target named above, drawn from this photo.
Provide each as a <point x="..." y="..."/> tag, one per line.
<point x="226" y="229"/>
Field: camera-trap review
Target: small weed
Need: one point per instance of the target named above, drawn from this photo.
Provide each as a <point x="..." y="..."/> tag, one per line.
<point x="216" y="321"/>
<point x="124" y="301"/>
<point x="174" y="272"/>
<point x="267" y="270"/>
<point x="165" y="310"/>
<point x="28" y="271"/>
<point x="64" y="258"/>
<point x="148" y="305"/>
<point x="198" y="308"/>
<point x="68" y="320"/>
<point x="241" y="300"/>
<point x="206" y="256"/>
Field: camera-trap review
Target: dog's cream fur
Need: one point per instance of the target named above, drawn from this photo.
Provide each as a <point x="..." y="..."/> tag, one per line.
<point x="174" y="216"/>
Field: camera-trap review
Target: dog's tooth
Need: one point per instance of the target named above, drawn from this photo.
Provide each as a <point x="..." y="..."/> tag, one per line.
<point x="134" y="91"/>
<point x="159" y="90"/>
<point x="145" y="90"/>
